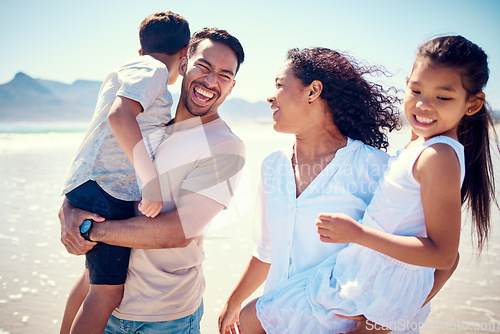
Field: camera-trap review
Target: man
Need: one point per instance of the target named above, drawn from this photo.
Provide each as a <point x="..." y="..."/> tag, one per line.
<point x="198" y="164"/>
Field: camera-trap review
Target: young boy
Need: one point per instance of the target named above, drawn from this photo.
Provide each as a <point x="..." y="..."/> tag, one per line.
<point x="115" y="158"/>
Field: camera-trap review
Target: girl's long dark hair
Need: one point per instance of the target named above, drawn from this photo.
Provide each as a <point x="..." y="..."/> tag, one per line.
<point x="360" y="109"/>
<point x="478" y="189"/>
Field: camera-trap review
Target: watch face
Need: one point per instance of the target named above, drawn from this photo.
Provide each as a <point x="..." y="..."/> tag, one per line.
<point x="85" y="227"/>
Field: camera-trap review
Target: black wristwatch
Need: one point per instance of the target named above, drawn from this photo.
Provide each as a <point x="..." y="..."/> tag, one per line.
<point x="85" y="228"/>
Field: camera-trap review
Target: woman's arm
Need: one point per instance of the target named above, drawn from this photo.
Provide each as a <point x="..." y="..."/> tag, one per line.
<point x="254" y="275"/>
<point x="441" y="276"/>
<point x="438" y="172"/>
<point x="123" y="121"/>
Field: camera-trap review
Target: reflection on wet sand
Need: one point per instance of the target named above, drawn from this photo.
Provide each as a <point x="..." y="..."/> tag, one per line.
<point x="37" y="273"/>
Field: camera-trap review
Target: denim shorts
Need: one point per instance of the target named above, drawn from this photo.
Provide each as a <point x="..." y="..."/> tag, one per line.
<point x="107" y="264"/>
<point x="186" y="325"/>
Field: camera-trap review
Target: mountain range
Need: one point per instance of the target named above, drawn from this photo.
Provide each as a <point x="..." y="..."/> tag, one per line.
<point x="25" y="99"/>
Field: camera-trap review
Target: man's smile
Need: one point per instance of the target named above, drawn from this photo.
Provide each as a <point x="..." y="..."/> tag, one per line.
<point x="201" y="95"/>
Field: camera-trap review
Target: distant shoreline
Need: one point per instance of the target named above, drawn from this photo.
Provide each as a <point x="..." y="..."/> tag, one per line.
<point x="68" y="127"/>
<point x="42" y="127"/>
<point x="63" y="127"/>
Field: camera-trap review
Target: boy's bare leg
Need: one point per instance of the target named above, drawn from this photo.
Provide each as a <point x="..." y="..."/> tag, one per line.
<point x="96" y="309"/>
<point x="75" y="299"/>
<point x="249" y="323"/>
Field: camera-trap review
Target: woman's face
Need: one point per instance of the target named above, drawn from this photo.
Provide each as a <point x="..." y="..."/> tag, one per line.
<point x="288" y="101"/>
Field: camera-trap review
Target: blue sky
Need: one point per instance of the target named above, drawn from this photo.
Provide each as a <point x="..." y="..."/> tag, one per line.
<point x="66" y="40"/>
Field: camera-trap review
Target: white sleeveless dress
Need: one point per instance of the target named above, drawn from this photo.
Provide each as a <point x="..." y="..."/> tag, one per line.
<point x="358" y="280"/>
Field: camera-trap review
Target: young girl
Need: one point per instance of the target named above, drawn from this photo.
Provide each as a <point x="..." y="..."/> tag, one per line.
<point x="412" y="225"/>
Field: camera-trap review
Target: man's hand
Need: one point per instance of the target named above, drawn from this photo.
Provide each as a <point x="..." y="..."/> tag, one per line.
<point x="338" y="228"/>
<point x="71" y="218"/>
<point x="229" y="320"/>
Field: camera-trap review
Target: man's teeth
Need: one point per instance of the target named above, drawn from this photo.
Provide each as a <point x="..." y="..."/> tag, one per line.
<point x="424" y="120"/>
<point x="204" y="92"/>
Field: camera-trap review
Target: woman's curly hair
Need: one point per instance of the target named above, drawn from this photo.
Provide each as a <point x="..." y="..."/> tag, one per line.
<point x="360" y="109"/>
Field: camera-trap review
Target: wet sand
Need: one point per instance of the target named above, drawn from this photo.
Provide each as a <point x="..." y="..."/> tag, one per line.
<point x="36" y="272"/>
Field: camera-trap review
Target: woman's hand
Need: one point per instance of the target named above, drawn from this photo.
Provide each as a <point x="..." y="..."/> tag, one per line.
<point x="229" y="320"/>
<point x="364" y="326"/>
<point x="71" y="218"/>
<point x="338" y="228"/>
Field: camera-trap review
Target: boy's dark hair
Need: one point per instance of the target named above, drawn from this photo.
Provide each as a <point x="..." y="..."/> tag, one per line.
<point x="217" y="35"/>
<point x="164" y="32"/>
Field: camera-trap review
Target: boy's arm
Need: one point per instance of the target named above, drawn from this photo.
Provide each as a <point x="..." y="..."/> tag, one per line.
<point x="122" y="119"/>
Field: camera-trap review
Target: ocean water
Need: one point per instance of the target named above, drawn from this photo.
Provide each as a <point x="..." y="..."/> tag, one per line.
<point x="36" y="272"/>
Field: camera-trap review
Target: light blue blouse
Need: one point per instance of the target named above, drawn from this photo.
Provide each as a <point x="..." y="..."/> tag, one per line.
<point x="286" y="234"/>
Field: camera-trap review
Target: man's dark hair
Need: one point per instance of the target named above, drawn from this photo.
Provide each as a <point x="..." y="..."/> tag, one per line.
<point x="220" y="36"/>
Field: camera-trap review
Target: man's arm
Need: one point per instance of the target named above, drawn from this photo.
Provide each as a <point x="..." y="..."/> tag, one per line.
<point x="167" y="230"/>
<point x="71" y="218"/>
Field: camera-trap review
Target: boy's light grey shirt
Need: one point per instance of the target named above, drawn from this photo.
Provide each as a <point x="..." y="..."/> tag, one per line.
<point x="100" y="158"/>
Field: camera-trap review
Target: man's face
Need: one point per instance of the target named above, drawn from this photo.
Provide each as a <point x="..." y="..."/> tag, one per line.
<point x="208" y="77"/>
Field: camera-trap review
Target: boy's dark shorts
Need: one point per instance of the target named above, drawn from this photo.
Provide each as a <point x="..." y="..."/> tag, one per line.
<point x="107" y="264"/>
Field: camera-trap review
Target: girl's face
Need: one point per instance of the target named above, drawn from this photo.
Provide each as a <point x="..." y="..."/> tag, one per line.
<point x="288" y="101"/>
<point x="435" y="100"/>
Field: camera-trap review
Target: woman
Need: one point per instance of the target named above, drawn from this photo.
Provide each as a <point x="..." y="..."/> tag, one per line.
<point x="339" y="120"/>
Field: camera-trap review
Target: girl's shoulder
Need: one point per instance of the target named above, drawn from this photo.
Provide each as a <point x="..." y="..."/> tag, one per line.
<point x="443" y="153"/>
<point x="434" y="147"/>
<point x="455" y="144"/>
<point x="444" y="147"/>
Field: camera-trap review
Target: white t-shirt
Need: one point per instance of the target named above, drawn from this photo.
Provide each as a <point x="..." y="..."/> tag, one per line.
<point x="286" y="235"/>
<point x="168" y="284"/>
<point x="100" y="158"/>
